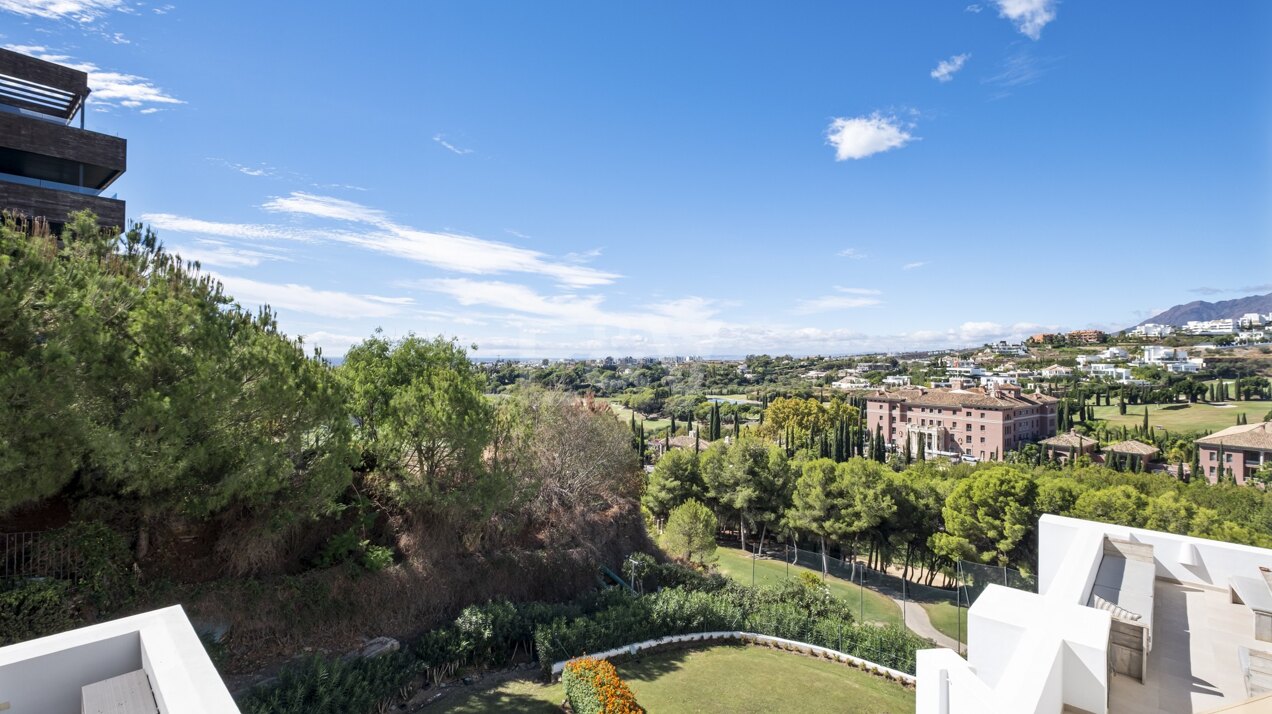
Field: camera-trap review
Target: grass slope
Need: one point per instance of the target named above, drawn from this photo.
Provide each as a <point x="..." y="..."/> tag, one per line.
<point x="736" y="563"/>
<point x="736" y="678"/>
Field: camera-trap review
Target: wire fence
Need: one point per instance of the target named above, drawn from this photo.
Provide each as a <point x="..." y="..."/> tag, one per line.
<point x="944" y="608"/>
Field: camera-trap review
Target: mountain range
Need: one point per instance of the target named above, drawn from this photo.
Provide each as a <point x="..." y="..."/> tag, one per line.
<point x="1203" y="310"/>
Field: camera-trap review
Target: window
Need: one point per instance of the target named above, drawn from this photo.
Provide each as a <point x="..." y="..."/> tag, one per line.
<point x="982" y="427"/>
<point x="969" y="427"/>
<point x="982" y="440"/>
<point x="969" y="439"/>
<point x="982" y="415"/>
<point x="1212" y="456"/>
<point x="969" y="414"/>
<point x="1227" y="458"/>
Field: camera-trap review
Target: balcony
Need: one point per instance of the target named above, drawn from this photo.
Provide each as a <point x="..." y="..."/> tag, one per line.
<point x="56" y="205"/>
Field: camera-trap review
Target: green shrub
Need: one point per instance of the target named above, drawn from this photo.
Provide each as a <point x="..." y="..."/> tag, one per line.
<point x="101" y="564"/>
<point x="326" y="686"/>
<point x="34" y="608"/>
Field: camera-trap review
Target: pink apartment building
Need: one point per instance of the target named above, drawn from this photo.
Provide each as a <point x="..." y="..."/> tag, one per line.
<point x="1239" y="449"/>
<point x="984" y="423"/>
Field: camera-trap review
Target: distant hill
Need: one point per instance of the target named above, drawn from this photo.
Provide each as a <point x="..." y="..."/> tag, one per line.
<point x="1202" y="310"/>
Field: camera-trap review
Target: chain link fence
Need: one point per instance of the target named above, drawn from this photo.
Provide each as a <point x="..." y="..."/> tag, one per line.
<point x="943" y="603"/>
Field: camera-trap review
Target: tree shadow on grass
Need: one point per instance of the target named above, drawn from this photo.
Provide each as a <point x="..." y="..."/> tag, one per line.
<point x="651" y="665"/>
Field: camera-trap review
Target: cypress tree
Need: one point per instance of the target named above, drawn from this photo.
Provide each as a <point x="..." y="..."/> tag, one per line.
<point x="905" y="451"/>
<point x="922" y="450"/>
<point x="1146" y="421"/>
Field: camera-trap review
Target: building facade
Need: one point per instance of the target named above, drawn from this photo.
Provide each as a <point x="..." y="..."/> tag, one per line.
<point x="50" y="168"/>
<point x="1238" y="450"/>
<point x="983" y="423"/>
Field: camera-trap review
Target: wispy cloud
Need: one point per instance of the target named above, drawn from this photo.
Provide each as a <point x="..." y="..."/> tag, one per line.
<point x="225" y="255"/>
<point x="859" y="137"/>
<point x="83" y="11"/>
<point x="915" y="264"/>
<point x="302" y="298"/>
<point x="260" y="169"/>
<point x="946" y="69"/>
<point x="841" y="299"/>
<point x="1018" y="70"/>
<point x="851" y="254"/>
<point x="973" y="8"/>
<point x="110" y="89"/>
<point x="163" y="9"/>
<point x="1263" y="287"/>
<point x="686" y="316"/>
<point x="441" y="140"/>
<point x="1029" y="16"/>
<point x="376" y="232"/>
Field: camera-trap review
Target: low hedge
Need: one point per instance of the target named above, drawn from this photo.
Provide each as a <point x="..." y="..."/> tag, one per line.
<point x="593" y="687"/>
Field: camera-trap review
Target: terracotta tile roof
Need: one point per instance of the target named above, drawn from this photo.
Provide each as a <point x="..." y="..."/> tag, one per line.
<point x="1131" y="446"/>
<point x="1244" y="436"/>
<point x="1005" y="398"/>
<point x="1070" y="440"/>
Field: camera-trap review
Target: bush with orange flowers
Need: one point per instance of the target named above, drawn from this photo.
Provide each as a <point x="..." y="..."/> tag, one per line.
<point x="592" y="686"/>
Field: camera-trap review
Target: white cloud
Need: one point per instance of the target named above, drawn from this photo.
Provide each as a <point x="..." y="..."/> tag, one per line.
<point x="219" y="253"/>
<point x="680" y="318"/>
<point x="441" y="140"/>
<point x="241" y="231"/>
<point x="376" y="232"/>
<point x="77" y="10"/>
<point x="915" y="264"/>
<point x="851" y="254"/>
<point x="302" y="298"/>
<point x="859" y="137"/>
<point x="946" y="69"/>
<point x="842" y="299"/>
<point x="1029" y="16"/>
<point x="973" y="8"/>
<point x="164" y="9"/>
<point x="109" y="89"/>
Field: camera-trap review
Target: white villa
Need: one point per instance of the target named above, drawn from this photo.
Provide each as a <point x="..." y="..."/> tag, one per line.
<point x="152" y="663"/>
<point x="1125" y="621"/>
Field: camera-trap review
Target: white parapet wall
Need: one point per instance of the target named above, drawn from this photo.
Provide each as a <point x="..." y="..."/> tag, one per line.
<point x="1039" y="652"/>
<point x="45" y="676"/>
<point x="750" y="638"/>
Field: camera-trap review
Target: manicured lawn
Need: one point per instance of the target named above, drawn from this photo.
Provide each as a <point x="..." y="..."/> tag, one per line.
<point x="736" y="564"/>
<point x="652" y="426"/>
<point x="1186" y="417"/>
<point x="738" y="678"/>
<point x="946" y="618"/>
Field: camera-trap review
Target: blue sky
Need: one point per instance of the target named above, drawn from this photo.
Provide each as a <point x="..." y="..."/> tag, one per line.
<point x="690" y="178"/>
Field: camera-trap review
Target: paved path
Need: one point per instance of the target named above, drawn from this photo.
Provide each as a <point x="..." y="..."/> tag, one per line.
<point x="916" y="618"/>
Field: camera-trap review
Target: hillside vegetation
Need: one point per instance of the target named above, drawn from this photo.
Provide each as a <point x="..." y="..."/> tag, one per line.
<point x="177" y="447"/>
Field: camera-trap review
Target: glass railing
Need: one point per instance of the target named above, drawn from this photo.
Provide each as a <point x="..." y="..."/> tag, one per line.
<point x="54" y="185"/>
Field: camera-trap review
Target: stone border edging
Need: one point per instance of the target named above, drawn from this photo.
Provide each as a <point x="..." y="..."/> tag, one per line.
<point x="749" y="638"/>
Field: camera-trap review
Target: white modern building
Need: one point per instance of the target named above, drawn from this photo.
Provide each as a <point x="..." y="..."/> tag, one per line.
<point x="1225" y="326"/>
<point x="152" y="663"/>
<point x="1115" y="353"/>
<point x="897" y="380"/>
<point x="1153" y="330"/>
<point x="1125" y="621"/>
